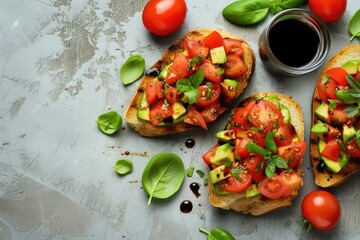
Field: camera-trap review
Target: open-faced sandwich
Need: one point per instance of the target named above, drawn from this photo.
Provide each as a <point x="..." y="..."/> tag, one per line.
<point x="335" y="132"/>
<point x="193" y="82"/>
<point x="256" y="165"/>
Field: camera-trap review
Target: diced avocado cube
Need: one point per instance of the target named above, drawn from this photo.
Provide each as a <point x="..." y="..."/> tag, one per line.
<point x="185" y="53"/>
<point x="218" y="174"/>
<point x="252" y="191"/>
<point x="322" y="112"/>
<point x="285" y="112"/>
<point x="226" y="135"/>
<point x="218" y="55"/>
<point x="164" y="72"/>
<point x="219" y="190"/>
<point x="319" y="128"/>
<point x="351" y="66"/>
<point x="178" y="110"/>
<point x="231" y="83"/>
<point x="333" y="166"/>
<point x="348" y="133"/>
<point x="143" y="111"/>
<point x="223" y="154"/>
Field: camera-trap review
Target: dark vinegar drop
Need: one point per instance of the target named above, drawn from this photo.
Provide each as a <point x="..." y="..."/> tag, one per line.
<point x="195" y="189"/>
<point x="190" y="143"/>
<point x="186" y="206"/>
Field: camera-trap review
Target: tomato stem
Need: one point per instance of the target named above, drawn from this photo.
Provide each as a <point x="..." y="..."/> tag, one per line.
<point x="307" y="225"/>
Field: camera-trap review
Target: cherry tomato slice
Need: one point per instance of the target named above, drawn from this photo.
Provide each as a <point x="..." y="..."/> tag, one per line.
<point x="178" y="69"/>
<point x="211" y="72"/>
<point x="195" y="48"/>
<point x="153" y="91"/>
<point x="213" y="40"/>
<point x="171" y="95"/>
<point x="240" y="149"/>
<point x="211" y="112"/>
<point x="331" y="150"/>
<point x="255" y="164"/>
<point x="206" y="157"/>
<point x="233" y="46"/>
<point x="164" y="17"/>
<point x="195" y="118"/>
<point x="234" y="67"/>
<point x="292" y="153"/>
<point x="274" y="188"/>
<point x="321" y="209"/>
<point x="209" y="94"/>
<point x="265" y="116"/>
<point x="284" y="134"/>
<point x="159" y="112"/>
<point x="338" y="116"/>
<point x="232" y="185"/>
<point x="352" y="148"/>
<point x="338" y="74"/>
<point x="327" y="90"/>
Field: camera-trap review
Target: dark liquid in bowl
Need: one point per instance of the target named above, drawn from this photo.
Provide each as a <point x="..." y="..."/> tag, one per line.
<point x="293" y="43"/>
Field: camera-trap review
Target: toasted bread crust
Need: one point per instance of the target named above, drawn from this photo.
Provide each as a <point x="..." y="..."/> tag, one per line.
<point x="325" y="178"/>
<point x="145" y="128"/>
<point x="259" y="205"/>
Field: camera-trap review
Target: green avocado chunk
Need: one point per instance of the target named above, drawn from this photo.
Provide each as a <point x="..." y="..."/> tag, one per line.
<point x="322" y="112"/>
<point x="218" y="55"/>
<point x="351" y="66"/>
<point x="226" y="135"/>
<point x="252" y="191"/>
<point x="348" y="133"/>
<point x="333" y="166"/>
<point x="223" y="154"/>
<point x="319" y="128"/>
<point x="143" y="111"/>
<point x="217" y="174"/>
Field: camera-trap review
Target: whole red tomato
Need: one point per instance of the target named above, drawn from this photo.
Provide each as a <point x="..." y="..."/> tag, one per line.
<point x="321" y="209"/>
<point x="164" y="17"/>
<point x="328" y="10"/>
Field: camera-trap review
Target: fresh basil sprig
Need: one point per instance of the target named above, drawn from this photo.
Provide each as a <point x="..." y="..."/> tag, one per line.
<point x="163" y="175"/>
<point x="350" y="96"/>
<point x="189" y="85"/>
<point x="272" y="160"/>
<point x="132" y="69"/>
<point x="217" y="234"/>
<point x="246" y="12"/>
<point x="354" y="25"/>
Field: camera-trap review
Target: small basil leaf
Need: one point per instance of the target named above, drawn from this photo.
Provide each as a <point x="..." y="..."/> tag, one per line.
<point x="190" y="171"/>
<point x="163" y="175"/>
<point x="192" y="95"/>
<point x="218" y="234"/>
<point x="109" y="123"/>
<point x="280" y="162"/>
<point x="354" y="25"/>
<point x="358" y="137"/>
<point x="132" y="69"/>
<point x="246" y="12"/>
<point x="200" y="173"/>
<point x="198" y="78"/>
<point x="352" y="111"/>
<point x="345" y="95"/>
<point x="350" y="79"/>
<point x="183" y="85"/>
<point x="285" y="4"/>
<point x="270" y="143"/>
<point x="251" y="147"/>
<point x="123" y="166"/>
<point x="270" y="169"/>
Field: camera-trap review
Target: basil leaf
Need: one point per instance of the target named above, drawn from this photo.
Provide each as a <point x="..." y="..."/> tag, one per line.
<point x="358" y="137"/>
<point x="163" y="175"/>
<point x="123" y="166"/>
<point x="235" y="173"/>
<point x="192" y="95"/>
<point x="246" y="12"/>
<point x="354" y="25"/>
<point x="285" y="4"/>
<point x="251" y="147"/>
<point x="132" y="69"/>
<point x="350" y="79"/>
<point x="218" y="234"/>
<point x="270" y="169"/>
<point x="184" y="85"/>
<point x="198" y="78"/>
<point x="190" y="171"/>
<point x="279" y="162"/>
<point x="352" y="111"/>
<point x="109" y="123"/>
<point x="345" y="95"/>
<point x="200" y="173"/>
<point x="270" y="143"/>
<point x="333" y="103"/>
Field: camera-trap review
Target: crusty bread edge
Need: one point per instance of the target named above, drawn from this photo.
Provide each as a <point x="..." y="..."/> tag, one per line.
<point x="145" y="128"/>
<point x="260" y="205"/>
<point x="326" y="178"/>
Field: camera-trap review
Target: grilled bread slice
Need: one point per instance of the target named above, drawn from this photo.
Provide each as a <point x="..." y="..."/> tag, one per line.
<point x="325" y="174"/>
<point x="170" y="125"/>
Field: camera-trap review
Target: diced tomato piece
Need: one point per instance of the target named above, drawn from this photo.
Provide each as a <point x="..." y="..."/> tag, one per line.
<point x="211" y="72"/>
<point x="211" y="112"/>
<point x="333" y="133"/>
<point x="234" y="67"/>
<point x="292" y="153"/>
<point x="331" y="150"/>
<point x="195" y="118"/>
<point x="153" y="91"/>
<point x="327" y="90"/>
<point x="274" y="188"/>
<point x="255" y="164"/>
<point x="207" y="156"/>
<point x="284" y="134"/>
<point x="233" y="46"/>
<point x="178" y="69"/>
<point x="213" y="40"/>
<point x="240" y="149"/>
<point x="292" y="179"/>
<point x="338" y="116"/>
<point x="352" y="148"/>
<point x="209" y="94"/>
<point x="159" y="112"/>
<point x="241" y="114"/>
<point x="195" y="48"/>
<point x="266" y="116"/>
<point x="228" y="93"/>
<point x="338" y="74"/>
<point x="171" y="95"/>
<point x="233" y="185"/>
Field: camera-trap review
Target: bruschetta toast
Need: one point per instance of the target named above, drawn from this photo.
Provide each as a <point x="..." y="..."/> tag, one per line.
<point x="335" y="130"/>
<point x="193" y="82"/>
<point x="256" y="165"/>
